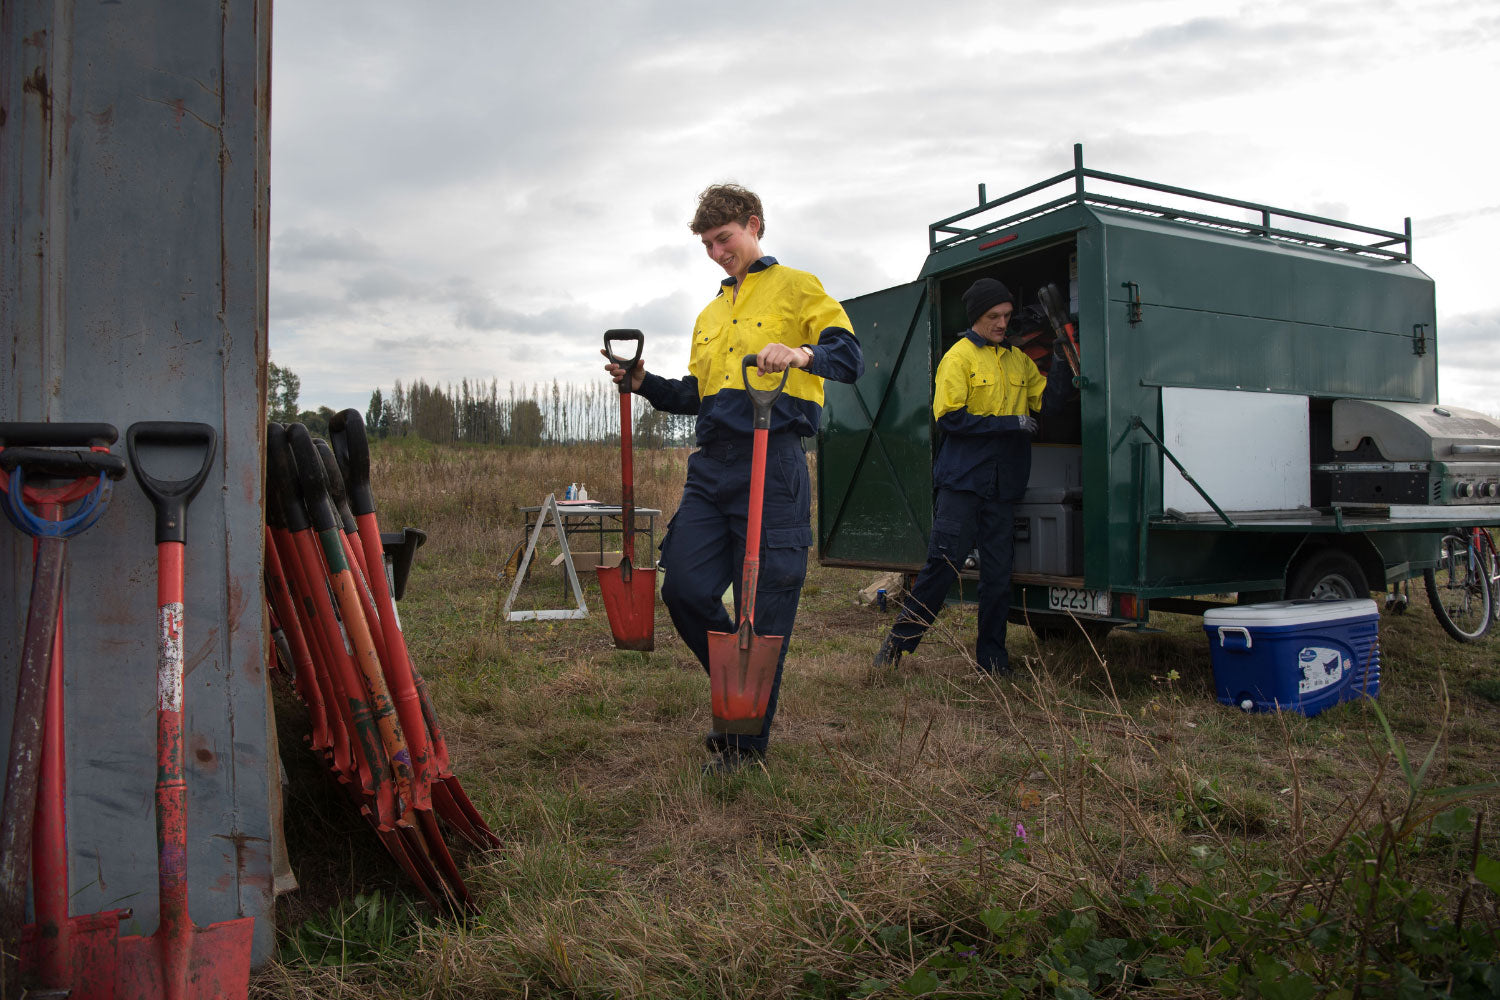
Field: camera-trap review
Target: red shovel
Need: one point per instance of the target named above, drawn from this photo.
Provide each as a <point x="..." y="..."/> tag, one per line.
<point x="60" y="951"/>
<point x="629" y="591"/>
<point x="741" y="664"/>
<point x="180" y="960"/>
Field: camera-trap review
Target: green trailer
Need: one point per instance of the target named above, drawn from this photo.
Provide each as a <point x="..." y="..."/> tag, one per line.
<point x="1256" y="415"/>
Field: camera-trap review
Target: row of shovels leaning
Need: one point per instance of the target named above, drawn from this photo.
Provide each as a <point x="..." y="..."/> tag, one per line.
<point x="337" y="636"/>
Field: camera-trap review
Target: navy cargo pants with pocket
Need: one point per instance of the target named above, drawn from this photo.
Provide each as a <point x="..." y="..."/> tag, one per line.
<point x="703" y="551"/>
<point x="962" y="517"/>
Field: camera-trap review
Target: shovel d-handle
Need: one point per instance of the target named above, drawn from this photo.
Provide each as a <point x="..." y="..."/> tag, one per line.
<point x="615" y="336"/>
<point x="171" y="497"/>
<point x="75" y="468"/>
<point x="351" y="446"/>
<point x="337" y="491"/>
<point x="281" y="478"/>
<point x="43" y="435"/>
<point x="762" y="399"/>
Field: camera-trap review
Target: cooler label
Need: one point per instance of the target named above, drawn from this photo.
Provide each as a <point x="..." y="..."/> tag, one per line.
<point x="1321" y="667"/>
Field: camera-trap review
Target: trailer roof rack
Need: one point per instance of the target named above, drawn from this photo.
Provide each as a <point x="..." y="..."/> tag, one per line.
<point x="1341" y="237"/>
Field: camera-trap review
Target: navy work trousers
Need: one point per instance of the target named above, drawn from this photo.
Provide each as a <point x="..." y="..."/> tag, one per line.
<point x="959" y="519"/>
<point x="703" y="551"/>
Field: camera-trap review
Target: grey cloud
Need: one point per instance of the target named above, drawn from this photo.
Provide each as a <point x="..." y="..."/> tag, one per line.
<point x="304" y="246"/>
<point x="415" y="346"/>
<point x="384" y="284"/>
<point x="481" y="312"/>
<point x="288" y="304"/>
<point x="1436" y="225"/>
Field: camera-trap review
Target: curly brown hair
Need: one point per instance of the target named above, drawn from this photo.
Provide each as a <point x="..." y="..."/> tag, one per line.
<point x="721" y="204"/>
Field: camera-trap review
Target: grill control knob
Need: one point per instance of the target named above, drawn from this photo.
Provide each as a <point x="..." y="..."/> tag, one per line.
<point x="1462" y="490"/>
<point x="1489" y="489"/>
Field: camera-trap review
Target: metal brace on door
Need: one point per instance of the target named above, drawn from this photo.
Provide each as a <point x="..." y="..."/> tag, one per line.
<point x="1419" y="339"/>
<point x="1133" y="302"/>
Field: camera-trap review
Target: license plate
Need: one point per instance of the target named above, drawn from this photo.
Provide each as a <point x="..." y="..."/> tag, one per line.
<point x="1078" y="600"/>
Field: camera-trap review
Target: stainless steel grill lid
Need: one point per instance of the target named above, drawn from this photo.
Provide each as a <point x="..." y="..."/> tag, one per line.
<point x="1416" y="432"/>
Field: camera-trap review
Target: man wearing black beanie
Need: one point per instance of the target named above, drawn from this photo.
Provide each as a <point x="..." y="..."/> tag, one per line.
<point x="983" y="400"/>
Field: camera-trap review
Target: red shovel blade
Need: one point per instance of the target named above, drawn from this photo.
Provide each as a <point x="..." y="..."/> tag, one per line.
<point x="93" y="955"/>
<point x="741" y="671"/>
<point x="630" y="600"/>
<point x="218" y="964"/>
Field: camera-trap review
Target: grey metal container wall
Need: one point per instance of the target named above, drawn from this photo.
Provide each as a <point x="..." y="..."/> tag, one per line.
<point x="134" y="167"/>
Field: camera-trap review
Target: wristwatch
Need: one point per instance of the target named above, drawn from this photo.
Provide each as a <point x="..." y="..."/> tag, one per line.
<point x="808" y="351"/>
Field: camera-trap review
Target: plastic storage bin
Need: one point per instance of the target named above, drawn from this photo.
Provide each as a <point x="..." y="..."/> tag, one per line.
<point x="1302" y="656"/>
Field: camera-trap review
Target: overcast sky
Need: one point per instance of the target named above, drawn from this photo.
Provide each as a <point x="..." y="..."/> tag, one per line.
<point x="480" y="189"/>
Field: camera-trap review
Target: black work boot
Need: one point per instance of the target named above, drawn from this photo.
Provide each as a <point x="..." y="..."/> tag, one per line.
<point x="731" y="759"/>
<point x="889" y="653"/>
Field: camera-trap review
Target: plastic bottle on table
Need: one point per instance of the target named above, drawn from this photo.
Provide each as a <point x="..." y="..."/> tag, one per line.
<point x="572" y="493"/>
<point x="583" y="492"/>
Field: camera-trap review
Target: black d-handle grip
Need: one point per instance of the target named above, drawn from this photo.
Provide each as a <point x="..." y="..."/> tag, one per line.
<point x="62" y="463"/>
<point x="351" y="446"/>
<point x="312" y="477"/>
<point x="611" y="336"/>
<point x="336" y="491"/>
<point x="42" y="435"/>
<point x="763" y="399"/>
<point x="171" y="498"/>
<point x="284" y="506"/>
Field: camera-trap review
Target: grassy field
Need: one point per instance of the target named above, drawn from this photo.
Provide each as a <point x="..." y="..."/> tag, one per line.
<point x="1098" y="827"/>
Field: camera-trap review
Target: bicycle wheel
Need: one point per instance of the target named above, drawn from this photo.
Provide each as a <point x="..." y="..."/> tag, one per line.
<point x="1490" y="560"/>
<point x="1459" y="589"/>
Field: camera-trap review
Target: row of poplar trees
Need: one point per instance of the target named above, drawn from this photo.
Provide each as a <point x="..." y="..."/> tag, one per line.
<point x="479" y="413"/>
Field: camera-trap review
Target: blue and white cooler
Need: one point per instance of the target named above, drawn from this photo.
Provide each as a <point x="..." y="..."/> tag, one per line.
<point x="1302" y="656"/>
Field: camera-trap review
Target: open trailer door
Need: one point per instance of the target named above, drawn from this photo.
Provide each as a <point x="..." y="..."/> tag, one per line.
<point x="875" y="446"/>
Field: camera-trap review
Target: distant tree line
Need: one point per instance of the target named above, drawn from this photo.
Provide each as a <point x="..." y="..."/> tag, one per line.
<point x="476" y="412"/>
<point x="479" y="413"/>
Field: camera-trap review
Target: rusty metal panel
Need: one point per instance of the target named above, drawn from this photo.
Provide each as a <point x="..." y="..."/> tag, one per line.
<point x="134" y="171"/>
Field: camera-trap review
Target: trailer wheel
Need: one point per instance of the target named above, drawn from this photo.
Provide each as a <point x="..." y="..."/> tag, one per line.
<point x="1328" y="575"/>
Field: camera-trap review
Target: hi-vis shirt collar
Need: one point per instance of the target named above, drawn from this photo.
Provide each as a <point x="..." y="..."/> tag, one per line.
<point x="979" y="341"/>
<point x="755" y="268"/>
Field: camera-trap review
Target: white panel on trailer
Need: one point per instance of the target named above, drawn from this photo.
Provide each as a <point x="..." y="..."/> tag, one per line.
<point x="1248" y="450"/>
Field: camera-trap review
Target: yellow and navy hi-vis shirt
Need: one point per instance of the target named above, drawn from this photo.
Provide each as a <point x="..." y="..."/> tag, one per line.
<point x="777" y="304"/>
<point x="977" y="384"/>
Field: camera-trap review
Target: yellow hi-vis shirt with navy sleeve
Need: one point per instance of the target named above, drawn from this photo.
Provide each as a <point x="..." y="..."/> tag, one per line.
<point x="776" y="304"/>
<point x="977" y="384"/>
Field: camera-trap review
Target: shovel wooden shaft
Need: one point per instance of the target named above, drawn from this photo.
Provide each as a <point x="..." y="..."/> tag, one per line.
<point x="369" y="755"/>
<point x="382" y="710"/>
<point x="22" y="769"/>
<point x="336" y="708"/>
<point x="398" y="665"/>
<point x="305" y="673"/>
<point x="49" y="848"/>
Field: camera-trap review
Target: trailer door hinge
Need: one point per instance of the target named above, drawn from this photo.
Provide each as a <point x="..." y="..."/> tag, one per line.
<point x="1133" y="303"/>
<point x="1419" y="339"/>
